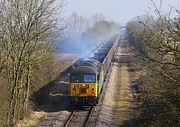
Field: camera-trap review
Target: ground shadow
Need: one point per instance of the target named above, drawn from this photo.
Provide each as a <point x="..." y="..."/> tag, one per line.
<point x="54" y="96"/>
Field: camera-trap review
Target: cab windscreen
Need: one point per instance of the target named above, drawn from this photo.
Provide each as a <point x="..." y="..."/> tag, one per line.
<point x="83" y="78"/>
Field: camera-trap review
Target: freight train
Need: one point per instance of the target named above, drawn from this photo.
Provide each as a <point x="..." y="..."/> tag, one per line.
<point x="86" y="80"/>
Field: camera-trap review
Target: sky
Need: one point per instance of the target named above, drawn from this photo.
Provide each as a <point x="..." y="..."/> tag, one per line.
<point x="120" y="11"/>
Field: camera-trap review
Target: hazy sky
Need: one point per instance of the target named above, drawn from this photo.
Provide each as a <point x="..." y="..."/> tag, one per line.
<point x="118" y="10"/>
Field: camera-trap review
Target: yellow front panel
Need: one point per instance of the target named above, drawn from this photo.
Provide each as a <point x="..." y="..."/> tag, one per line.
<point x="83" y="89"/>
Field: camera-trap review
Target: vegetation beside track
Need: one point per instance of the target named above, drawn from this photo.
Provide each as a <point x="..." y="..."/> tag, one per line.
<point x="157" y="43"/>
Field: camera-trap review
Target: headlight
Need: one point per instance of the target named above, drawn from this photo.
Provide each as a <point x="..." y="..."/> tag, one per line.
<point x="72" y="86"/>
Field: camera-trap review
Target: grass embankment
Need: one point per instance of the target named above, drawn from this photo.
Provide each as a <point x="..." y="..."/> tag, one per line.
<point x="122" y="95"/>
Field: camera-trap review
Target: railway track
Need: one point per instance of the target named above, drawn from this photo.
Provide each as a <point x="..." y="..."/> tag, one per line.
<point x="75" y="114"/>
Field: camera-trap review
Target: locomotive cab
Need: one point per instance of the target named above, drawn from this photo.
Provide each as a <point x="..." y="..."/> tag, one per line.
<point x="84" y="86"/>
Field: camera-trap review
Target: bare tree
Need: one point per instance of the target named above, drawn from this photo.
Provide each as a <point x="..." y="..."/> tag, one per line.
<point x="77" y="24"/>
<point x="97" y="18"/>
<point x="26" y="27"/>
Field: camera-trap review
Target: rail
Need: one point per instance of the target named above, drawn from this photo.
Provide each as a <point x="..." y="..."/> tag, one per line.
<point x="69" y="121"/>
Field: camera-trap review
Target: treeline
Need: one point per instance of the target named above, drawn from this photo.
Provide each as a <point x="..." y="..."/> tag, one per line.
<point x="101" y="29"/>
<point x="157" y="40"/>
<point x="26" y="58"/>
<point x="91" y="28"/>
<point x="77" y="24"/>
<point x="85" y="32"/>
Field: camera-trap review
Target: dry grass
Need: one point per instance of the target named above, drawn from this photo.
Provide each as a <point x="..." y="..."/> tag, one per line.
<point x="63" y="60"/>
<point x="125" y="93"/>
<point x="33" y="120"/>
<point x="122" y="95"/>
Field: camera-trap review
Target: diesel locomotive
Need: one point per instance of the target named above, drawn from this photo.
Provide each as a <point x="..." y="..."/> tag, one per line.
<point x="86" y="80"/>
